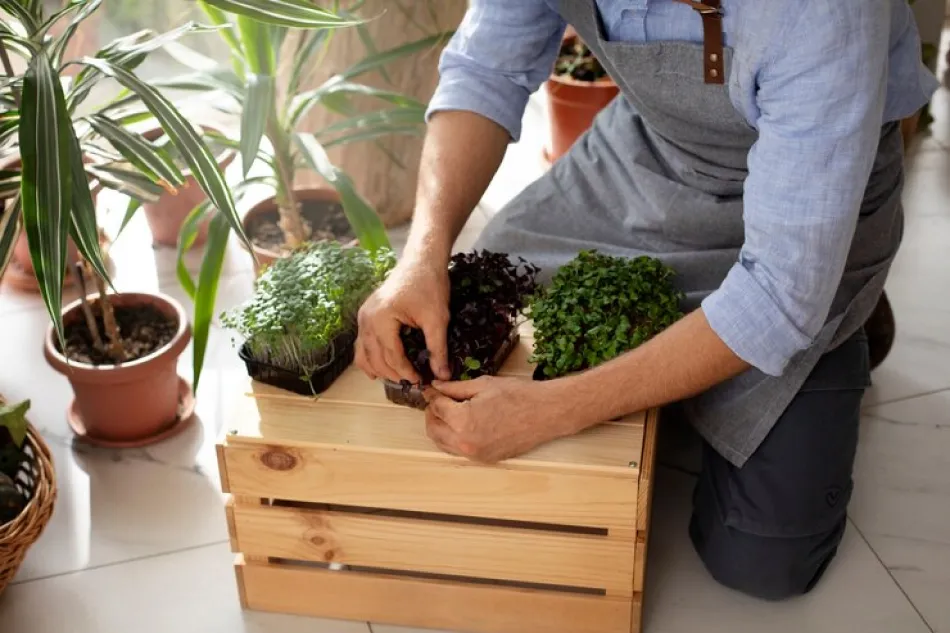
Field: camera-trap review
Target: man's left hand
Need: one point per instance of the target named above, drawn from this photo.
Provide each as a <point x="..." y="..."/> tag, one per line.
<point x="490" y="419"/>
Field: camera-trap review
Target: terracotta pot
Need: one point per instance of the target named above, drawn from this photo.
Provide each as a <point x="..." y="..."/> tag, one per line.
<point x="133" y="403"/>
<point x="166" y="216"/>
<point x="572" y="106"/>
<point x="269" y="206"/>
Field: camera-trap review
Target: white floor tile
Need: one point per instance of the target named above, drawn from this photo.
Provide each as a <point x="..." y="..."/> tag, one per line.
<point x="187" y="592"/>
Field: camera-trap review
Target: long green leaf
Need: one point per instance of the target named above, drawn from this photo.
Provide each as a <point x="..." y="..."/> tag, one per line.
<point x="220" y="18"/>
<point x="59" y="47"/>
<point x="257" y="42"/>
<point x="186" y="239"/>
<point x="126" y="179"/>
<point x="221" y="79"/>
<point x="202" y="163"/>
<point x="366" y="224"/>
<point x="375" y="62"/>
<point x="373" y="134"/>
<point x="84" y="227"/>
<point x="380" y="118"/>
<point x="56" y="17"/>
<point x="46" y="189"/>
<point x="257" y="111"/>
<point x="9" y="232"/>
<point x="305" y="56"/>
<point x="21" y="14"/>
<point x="336" y="86"/>
<point x="130" y="210"/>
<point x="9" y="184"/>
<point x="292" y="13"/>
<point x="138" y="151"/>
<point x="207" y="290"/>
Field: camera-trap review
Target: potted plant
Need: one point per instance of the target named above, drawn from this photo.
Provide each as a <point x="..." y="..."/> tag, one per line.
<point x="52" y="201"/>
<point x="577" y="90"/>
<point x="487" y="294"/>
<point x="598" y="307"/>
<point x="299" y="327"/>
<point x="27" y="487"/>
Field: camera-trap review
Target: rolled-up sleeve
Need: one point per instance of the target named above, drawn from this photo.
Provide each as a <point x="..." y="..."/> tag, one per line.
<point x="820" y="101"/>
<point x="500" y="54"/>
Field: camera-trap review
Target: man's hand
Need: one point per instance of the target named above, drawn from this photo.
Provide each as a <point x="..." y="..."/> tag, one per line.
<point x="491" y="419"/>
<point x="415" y="294"/>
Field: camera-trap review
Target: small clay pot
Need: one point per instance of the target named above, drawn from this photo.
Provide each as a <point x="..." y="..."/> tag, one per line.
<point x="572" y="106"/>
<point x="134" y="403"/>
<point x="167" y="215"/>
<point x="268" y="207"/>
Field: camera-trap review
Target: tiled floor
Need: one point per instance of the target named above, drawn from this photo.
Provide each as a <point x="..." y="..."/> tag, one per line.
<point x="138" y="541"/>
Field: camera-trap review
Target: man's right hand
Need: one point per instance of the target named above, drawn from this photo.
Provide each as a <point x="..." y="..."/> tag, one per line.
<point x="416" y="294"/>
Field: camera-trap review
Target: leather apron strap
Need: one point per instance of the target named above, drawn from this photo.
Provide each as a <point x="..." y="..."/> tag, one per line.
<point x="711" y="13"/>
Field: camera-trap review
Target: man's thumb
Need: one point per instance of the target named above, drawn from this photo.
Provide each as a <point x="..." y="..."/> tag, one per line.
<point x="460" y="390"/>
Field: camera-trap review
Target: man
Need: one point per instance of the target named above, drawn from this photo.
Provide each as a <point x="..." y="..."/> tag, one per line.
<point x="755" y="148"/>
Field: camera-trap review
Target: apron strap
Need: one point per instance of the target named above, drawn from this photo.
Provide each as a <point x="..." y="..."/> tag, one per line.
<point x="711" y="13"/>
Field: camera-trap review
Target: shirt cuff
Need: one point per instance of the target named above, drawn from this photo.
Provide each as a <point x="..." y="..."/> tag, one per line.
<point x="750" y="322"/>
<point x="504" y="104"/>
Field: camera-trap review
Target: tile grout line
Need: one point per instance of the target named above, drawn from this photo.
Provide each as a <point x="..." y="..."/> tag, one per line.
<point x="891" y="574"/>
<point x="905" y="398"/>
<point x="118" y="562"/>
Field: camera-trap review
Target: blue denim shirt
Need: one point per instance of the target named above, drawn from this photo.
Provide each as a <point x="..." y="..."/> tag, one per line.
<point x="817" y="80"/>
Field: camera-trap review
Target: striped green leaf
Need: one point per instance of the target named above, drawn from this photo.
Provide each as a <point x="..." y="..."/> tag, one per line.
<point x="366" y="223"/>
<point x="292" y="13"/>
<point x="126" y="179"/>
<point x="337" y="86"/>
<point x="224" y="80"/>
<point x="379" y="60"/>
<point x="9" y="232"/>
<point x="186" y="239"/>
<point x="220" y="18"/>
<point x="9" y="183"/>
<point x="380" y="118"/>
<point x="207" y="291"/>
<point x="373" y="134"/>
<point x="83" y="225"/>
<point x="130" y="210"/>
<point x="195" y="152"/>
<point x="138" y="151"/>
<point x="305" y="57"/>
<point x="59" y="47"/>
<point x="257" y="112"/>
<point x="46" y="189"/>
<point x="21" y="14"/>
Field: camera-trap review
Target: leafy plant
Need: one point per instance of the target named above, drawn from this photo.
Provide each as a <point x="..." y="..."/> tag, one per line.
<point x="13" y="427"/>
<point x="63" y="153"/>
<point x="598" y="307"/>
<point x="303" y="302"/>
<point x="576" y="60"/>
<point x="264" y="36"/>
<point x="487" y="292"/>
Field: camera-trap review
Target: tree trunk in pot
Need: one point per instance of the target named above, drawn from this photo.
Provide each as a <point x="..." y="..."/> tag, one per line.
<point x="387" y="186"/>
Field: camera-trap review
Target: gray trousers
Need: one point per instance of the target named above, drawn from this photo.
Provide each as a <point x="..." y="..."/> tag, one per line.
<point x="771" y="528"/>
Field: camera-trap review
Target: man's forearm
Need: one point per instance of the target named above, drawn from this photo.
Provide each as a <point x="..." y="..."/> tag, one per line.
<point x="685" y="360"/>
<point x="462" y="152"/>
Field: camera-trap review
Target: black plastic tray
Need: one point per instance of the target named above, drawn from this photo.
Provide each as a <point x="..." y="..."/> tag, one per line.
<point x="318" y="382"/>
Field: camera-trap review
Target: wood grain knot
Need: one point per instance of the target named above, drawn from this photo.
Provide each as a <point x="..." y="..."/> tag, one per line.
<point x="329" y="555"/>
<point x="318" y="540"/>
<point x="277" y="459"/>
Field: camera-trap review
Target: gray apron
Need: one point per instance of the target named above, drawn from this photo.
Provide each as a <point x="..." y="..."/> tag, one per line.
<point x="661" y="173"/>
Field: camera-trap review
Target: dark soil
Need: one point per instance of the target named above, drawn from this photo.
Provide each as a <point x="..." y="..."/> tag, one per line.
<point x="325" y="220"/>
<point x="143" y="330"/>
<point x="577" y="61"/>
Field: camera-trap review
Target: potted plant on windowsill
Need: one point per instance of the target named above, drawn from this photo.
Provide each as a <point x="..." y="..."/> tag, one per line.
<point x="299" y="327"/>
<point x="577" y="90"/>
<point x="598" y="307"/>
<point x="119" y="351"/>
<point x="487" y="294"/>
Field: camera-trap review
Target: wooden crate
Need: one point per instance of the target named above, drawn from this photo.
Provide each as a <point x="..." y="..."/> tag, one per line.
<point x="340" y="507"/>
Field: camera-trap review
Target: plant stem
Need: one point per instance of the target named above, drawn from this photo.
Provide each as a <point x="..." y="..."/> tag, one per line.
<point x="86" y="309"/>
<point x="8" y="69"/>
<point x="108" y="320"/>
<point x="291" y="221"/>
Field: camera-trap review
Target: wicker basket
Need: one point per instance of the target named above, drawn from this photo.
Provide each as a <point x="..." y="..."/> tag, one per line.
<point x="37" y="479"/>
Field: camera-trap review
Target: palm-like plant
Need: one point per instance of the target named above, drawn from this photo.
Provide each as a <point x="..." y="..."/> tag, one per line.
<point x="266" y="38"/>
<point x="64" y="153"/>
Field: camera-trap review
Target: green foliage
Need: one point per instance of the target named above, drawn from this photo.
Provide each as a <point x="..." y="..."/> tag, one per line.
<point x="13" y="427"/>
<point x="302" y="302"/>
<point x="598" y="307"/>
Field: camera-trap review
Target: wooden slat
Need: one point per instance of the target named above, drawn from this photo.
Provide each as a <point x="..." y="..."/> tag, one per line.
<point x="645" y="498"/>
<point x="636" y="614"/>
<point x="437" y="547"/>
<point x="423" y="483"/>
<point x="272" y="416"/>
<point x="222" y="468"/>
<point x="428" y="604"/>
<point x="232" y="526"/>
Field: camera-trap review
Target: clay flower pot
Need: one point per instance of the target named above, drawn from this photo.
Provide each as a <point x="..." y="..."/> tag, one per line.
<point x="314" y="204"/>
<point x="572" y="106"/>
<point x="135" y="403"/>
<point x="166" y="215"/>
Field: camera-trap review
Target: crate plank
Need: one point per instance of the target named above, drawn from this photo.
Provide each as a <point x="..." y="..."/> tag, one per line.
<point x="429" y="483"/>
<point x="428" y="604"/>
<point x="271" y="416"/>
<point x="437" y="547"/>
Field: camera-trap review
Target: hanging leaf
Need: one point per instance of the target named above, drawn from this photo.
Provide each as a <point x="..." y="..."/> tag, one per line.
<point x="13" y="419"/>
<point x="207" y="290"/>
<point x="292" y="13"/>
<point x="83" y="225"/>
<point x="9" y="232"/>
<point x="138" y="151"/>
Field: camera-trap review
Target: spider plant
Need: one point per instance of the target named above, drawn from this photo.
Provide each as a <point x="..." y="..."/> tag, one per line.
<point x="66" y="149"/>
<point x="283" y="41"/>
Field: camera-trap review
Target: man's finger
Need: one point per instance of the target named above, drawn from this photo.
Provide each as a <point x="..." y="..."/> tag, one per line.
<point x="462" y="389"/>
<point x="361" y="361"/>
<point x="440" y="434"/>
<point x="377" y="361"/>
<point x="395" y="354"/>
<point x="434" y="329"/>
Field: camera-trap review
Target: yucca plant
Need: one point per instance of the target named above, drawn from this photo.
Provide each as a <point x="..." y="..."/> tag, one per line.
<point x="270" y="40"/>
<point x="65" y="148"/>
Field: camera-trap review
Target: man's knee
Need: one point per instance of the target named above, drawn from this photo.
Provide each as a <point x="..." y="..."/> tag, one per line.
<point x="767" y="567"/>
